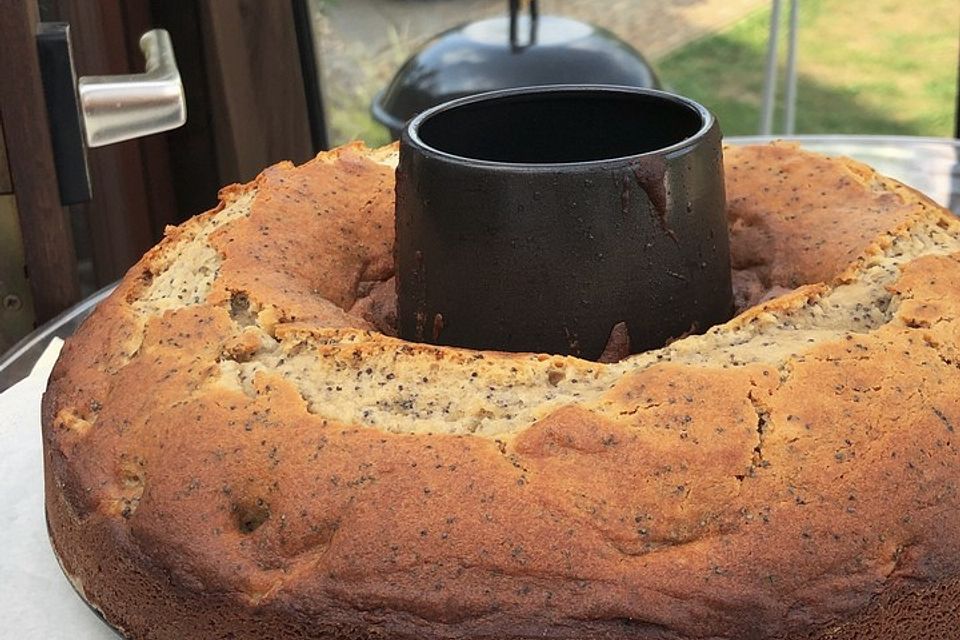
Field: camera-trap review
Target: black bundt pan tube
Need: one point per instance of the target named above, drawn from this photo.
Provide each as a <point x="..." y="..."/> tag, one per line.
<point x="539" y="219"/>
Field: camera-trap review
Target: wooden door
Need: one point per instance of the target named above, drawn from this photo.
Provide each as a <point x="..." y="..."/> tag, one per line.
<point x="38" y="274"/>
<point x="248" y="106"/>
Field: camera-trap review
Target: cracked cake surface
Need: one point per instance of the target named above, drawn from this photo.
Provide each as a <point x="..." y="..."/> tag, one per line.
<point x="237" y="446"/>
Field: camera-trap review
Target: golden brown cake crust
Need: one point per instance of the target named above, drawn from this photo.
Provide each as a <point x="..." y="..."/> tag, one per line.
<point x="792" y="474"/>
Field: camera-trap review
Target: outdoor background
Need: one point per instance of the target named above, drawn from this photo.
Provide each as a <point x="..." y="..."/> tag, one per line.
<point x="877" y="66"/>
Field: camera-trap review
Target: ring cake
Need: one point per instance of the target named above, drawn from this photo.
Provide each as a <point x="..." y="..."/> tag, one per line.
<point x="236" y="446"/>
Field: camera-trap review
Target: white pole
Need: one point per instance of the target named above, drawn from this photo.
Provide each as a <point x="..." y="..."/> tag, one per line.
<point x="770" y="77"/>
<point x="791" y="97"/>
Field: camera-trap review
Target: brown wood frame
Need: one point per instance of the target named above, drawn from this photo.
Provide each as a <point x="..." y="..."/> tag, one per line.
<point x="45" y="228"/>
<point x="247" y="109"/>
<point x="253" y="66"/>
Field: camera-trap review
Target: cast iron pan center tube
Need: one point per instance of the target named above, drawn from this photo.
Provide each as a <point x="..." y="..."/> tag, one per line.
<point x="580" y="220"/>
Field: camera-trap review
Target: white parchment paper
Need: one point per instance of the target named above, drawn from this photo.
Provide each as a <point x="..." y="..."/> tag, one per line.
<point x="36" y="601"/>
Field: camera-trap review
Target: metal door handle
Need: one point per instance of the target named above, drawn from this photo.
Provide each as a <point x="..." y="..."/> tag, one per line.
<point x="122" y="107"/>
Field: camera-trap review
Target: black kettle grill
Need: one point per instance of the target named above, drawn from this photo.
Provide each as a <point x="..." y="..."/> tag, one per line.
<point x="513" y="51"/>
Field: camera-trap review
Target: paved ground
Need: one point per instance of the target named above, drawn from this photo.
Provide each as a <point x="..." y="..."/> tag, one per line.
<point x="363" y="42"/>
<point x="653" y="26"/>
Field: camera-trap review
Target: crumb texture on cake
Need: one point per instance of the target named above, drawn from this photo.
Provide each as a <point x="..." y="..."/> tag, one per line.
<point x="236" y="446"/>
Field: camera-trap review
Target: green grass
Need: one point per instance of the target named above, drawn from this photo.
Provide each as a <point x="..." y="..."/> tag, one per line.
<point x="351" y="87"/>
<point x="888" y="66"/>
<point x="349" y="119"/>
<point x="880" y="67"/>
